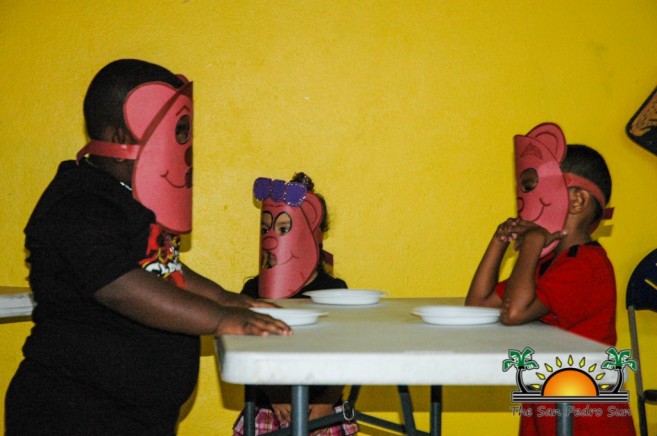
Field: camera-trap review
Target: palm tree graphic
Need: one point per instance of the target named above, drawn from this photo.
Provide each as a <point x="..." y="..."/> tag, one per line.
<point x="617" y="361"/>
<point x="522" y="361"/>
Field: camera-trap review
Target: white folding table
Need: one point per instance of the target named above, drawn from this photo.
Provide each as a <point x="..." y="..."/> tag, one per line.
<point x="15" y="302"/>
<point x="385" y="344"/>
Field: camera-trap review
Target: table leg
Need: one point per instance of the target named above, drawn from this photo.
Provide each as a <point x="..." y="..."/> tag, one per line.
<point x="407" y="410"/>
<point x="435" y="412"/>
<point x="249" y="410"/>
<point x="564" y="420"/>
<point x="299" y="411"/>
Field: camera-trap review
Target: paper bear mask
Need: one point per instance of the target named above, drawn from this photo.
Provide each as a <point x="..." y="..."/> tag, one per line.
<point x="159" y="117"/>
<point x="290" y="236"/>
<point x="541" y="188"/>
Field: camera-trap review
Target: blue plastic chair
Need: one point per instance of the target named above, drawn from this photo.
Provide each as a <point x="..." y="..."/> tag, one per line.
<point x="642" y="295"/>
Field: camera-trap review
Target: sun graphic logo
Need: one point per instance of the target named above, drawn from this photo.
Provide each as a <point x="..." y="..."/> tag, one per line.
<point x="572" y="381"/>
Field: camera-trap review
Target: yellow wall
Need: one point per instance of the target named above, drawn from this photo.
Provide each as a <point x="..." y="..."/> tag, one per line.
<point x="402" y="111"/>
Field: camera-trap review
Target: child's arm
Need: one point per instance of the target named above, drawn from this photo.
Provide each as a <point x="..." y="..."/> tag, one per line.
<point x="207" y="288"/>
<point x="149" y="300"/>
<point x="482" y="288"/>
<point x="520" y="304"/>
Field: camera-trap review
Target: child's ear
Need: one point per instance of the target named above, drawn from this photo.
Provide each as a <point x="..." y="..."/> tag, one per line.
<point x="578" y="200"/>
<point x="120" y="135"/>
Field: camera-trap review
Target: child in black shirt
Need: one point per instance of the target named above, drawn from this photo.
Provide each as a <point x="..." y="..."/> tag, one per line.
<point x="115" y="349"/>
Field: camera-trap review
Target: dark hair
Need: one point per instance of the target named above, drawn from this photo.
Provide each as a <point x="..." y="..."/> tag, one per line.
<point x="305" y="179"/>
<point x="585" y="162"/>
<point x="103" y="104"/>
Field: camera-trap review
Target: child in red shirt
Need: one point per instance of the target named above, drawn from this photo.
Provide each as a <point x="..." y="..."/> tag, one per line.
<point x="561" y="276"/>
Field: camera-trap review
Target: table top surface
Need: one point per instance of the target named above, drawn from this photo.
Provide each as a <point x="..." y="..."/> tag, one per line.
<point x="386" y="344"/>
<point x="15" y="301"/>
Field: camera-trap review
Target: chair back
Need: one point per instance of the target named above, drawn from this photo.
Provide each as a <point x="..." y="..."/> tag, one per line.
<point x="642" y="286"/>
<point x="641" y="295"/>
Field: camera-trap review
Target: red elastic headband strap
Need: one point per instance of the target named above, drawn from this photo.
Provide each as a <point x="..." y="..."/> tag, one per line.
<point x="575" y="181"/>
<point x="131" y="151"/>
<point x="109" y="149"/>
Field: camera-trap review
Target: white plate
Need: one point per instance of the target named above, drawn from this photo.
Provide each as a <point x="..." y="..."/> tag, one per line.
<point x="345" y="297"/>
<point x="457" y="315"/>
<point x="291" y="317"/>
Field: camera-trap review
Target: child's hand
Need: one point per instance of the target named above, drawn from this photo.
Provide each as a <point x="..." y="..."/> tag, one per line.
<point x="525" y="230"/>
<point x="320" y="410"/>
<point x="507" y="231"/>
<point x="283" y="413"/>
<point x="239" y="321"/>
<point x="261" y="303"/>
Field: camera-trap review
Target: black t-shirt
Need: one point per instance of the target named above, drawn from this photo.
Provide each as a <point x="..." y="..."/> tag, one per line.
<point x="85" y="232"/>
<point x="322" y="281"/>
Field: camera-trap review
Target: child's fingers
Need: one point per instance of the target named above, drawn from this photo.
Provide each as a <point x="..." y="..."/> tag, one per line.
<point x="262" y="303"/>
<point x="282" y="412"/>
<point x="247" y="322"/>
<point x="505" y="231"/>
<point x="264" y="324"/>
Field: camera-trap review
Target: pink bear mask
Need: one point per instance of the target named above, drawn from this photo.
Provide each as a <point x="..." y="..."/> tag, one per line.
<point x="159" y="117"/>
<point x="295" y="252"/>
<point x="538" y="156"/>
